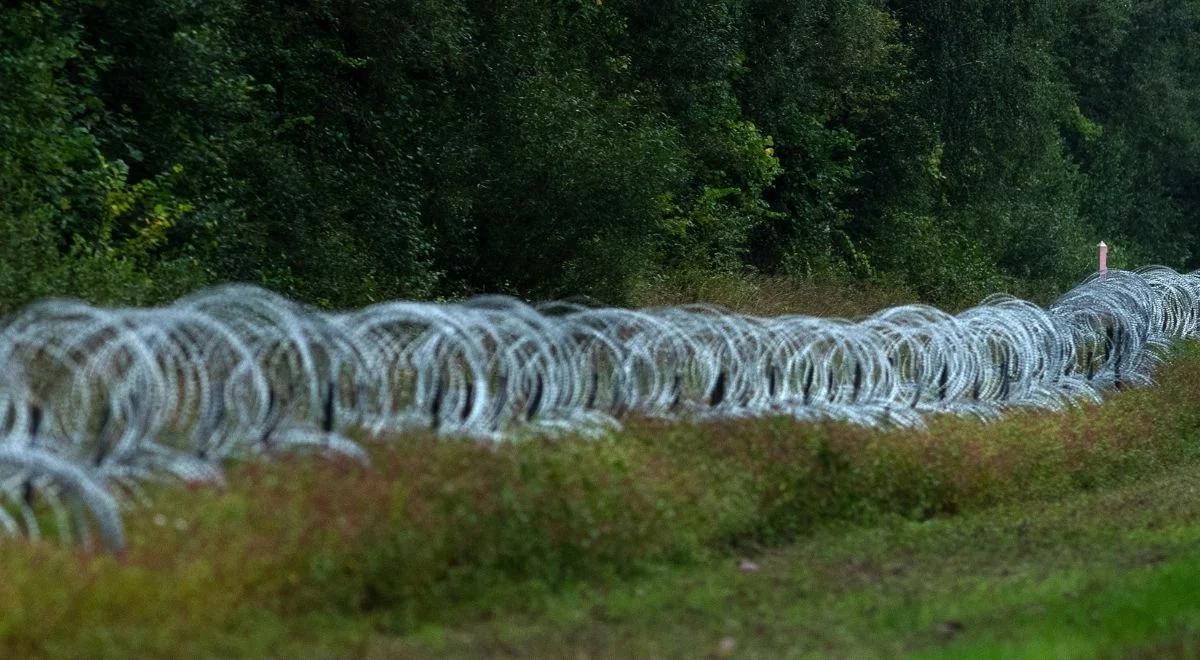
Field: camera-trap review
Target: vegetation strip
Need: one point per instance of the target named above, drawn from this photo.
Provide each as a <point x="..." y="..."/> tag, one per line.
<point x="1106" y="573"/>
<point x="439" y="531"/>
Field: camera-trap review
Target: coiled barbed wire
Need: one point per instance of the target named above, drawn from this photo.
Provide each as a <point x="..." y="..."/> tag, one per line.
<point x="96" y="402"/>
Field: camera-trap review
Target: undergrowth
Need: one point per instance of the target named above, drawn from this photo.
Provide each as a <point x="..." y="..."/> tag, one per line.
<point x="436" y="529"/>
<point x="777" y="295"/>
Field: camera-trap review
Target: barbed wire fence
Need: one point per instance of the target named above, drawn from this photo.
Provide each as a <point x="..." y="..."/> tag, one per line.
<point x="95" y="403"/>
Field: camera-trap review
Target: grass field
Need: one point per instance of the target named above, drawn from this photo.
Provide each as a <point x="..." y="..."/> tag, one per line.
<point x="1106" y="573"/>
<point x="1042" y="534"/>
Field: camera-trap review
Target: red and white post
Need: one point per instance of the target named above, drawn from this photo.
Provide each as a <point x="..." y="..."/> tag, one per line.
<point x="1103" y="259"/>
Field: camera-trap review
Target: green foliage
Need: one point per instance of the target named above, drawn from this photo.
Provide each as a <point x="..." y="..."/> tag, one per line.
<point x="346" y="153"/>
<point x="1137" y="72"/>
<point x="71" y="220"/>
<point x="828" y="82"/>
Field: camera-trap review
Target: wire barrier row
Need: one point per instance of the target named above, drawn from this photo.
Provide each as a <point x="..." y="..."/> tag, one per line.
<point x="95" y="403"/>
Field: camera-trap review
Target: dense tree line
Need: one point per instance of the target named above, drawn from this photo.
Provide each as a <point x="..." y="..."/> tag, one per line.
<point x="347" y="151"/>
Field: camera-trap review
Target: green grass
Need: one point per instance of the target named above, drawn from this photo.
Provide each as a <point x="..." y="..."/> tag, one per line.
<point x="963" y="537"/>
<point x="1098" y="574"/>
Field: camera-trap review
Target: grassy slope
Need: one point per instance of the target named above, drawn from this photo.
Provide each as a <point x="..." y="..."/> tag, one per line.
<point x="889" y="541"/>
<point x="1101" y="573"/>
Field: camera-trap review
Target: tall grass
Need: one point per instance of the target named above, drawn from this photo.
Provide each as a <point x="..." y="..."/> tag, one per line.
<point x="776" y="296"/>
<point x="437" y="527"/>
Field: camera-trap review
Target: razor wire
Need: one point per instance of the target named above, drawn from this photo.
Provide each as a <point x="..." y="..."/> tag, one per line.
<point x="95" y="403"/>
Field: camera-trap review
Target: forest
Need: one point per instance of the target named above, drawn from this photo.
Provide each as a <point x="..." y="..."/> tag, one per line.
<point x="345" y="152"/>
